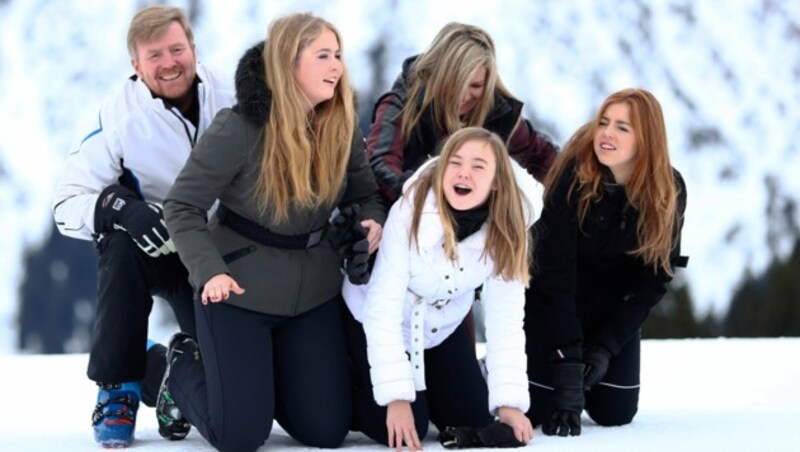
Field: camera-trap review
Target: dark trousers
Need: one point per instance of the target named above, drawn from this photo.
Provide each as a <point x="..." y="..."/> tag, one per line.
<point x="256" y="367"/>
<point x="456" y="392"/>
<point x="613" y="401"/>
<point x="127" y="279"/>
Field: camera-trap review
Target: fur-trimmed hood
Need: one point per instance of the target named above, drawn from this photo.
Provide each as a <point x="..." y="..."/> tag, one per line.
<point x="253" y="96"/>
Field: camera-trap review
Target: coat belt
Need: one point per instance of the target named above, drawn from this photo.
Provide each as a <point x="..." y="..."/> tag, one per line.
<point x="257" y="233"/>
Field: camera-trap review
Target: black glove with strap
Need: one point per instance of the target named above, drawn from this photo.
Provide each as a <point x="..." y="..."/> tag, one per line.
<point x="566" y="403"/>
<point x="119" y="208"/>
<point x="595" y="360"/>
<point x="496" y="434"/>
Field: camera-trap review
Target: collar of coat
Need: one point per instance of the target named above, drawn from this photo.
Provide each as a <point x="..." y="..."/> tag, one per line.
<point x="253" y="96"/>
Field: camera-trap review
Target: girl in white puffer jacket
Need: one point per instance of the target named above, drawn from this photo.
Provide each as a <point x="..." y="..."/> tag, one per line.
<point x="461" y="224"/>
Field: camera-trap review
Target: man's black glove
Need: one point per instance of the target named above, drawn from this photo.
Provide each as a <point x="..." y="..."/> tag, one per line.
<point x="595" y="359"/>
<point x="496" y="434"/>
<point x="118" y="208"/>
<point x="566" y="404"/>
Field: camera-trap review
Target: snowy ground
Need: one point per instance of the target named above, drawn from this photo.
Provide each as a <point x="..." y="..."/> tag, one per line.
<point x="697" y="395"/>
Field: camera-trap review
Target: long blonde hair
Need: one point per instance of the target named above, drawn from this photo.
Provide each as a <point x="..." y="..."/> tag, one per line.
<point x="507" y="237"/>
<point x="651" y="189"/>
<point x="444" y="72"/>
<point x="305" y="155"/>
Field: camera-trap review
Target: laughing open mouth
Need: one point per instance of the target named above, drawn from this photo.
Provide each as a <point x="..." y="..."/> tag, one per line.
<point x="170" y="76"/>
<point x="461" y="189"/>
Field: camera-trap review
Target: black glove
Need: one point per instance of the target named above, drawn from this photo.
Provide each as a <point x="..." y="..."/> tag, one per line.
<point x="596" y="360"/>
<point x="496" y="434"/>
<point x="566" y="404"/>
<point x="342" y="231"/>
<point x="118" y="208"/>
<point x="349" y="239"/>
<point x="357" y="261"/>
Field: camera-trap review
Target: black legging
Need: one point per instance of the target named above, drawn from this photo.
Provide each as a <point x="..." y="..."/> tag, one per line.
<point x="456" y="392"/>
<point x="257" y="367"/>
<point x="613" y="401"/>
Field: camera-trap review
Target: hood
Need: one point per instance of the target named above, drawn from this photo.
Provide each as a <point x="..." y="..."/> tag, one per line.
<point x="253" y="96"/>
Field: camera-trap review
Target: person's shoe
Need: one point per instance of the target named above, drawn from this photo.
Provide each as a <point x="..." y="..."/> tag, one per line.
<point x="114" y="417"/>
<point x="171" y="423"/>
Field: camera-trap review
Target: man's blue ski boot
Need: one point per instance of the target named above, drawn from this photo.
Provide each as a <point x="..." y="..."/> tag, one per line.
<point x="114" y="417"/>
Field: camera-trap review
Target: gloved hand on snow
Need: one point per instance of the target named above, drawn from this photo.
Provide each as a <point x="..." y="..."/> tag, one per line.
<point x="496" y="434"/>
<point x="567" y="401"/>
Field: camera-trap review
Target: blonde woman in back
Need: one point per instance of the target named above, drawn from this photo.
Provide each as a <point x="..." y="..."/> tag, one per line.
<point x="453" y="84"/>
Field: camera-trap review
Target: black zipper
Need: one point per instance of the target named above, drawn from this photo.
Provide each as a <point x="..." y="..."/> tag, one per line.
<point x="192" y="139"/>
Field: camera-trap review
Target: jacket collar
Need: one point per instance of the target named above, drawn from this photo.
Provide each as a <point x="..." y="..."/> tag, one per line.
<point x="253" y="96"/>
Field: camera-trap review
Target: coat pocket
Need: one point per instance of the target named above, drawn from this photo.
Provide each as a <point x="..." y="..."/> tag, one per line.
<point x="238" y="254"/>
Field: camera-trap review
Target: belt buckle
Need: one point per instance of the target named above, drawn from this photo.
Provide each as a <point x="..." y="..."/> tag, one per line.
<point x="314" y="238"/>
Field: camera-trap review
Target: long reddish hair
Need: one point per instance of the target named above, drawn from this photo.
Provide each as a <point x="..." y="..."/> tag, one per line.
<point x="651" y="189"/>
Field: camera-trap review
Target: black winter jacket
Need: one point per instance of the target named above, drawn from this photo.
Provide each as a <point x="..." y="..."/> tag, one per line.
<point x="585" y="288"/>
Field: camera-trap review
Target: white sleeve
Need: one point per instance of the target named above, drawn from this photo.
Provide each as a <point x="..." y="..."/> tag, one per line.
<point x="390" y="369"/>
<point x="92" y="164"/>
<point x="506" y="361"/>
<point x="531" y="190"/>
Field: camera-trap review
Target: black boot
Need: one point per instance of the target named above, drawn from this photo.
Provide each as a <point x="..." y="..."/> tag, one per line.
<point x="171" y="423"/>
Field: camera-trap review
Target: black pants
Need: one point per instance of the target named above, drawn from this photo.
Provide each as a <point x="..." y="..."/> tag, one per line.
<point x="613" y="401"/>
<point x="127" y="279"/>
<point x="456" y="392"/>
<point x="256" y="367"/>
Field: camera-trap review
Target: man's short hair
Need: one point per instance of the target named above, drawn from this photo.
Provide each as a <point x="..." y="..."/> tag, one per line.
<point x="151" y="22"/>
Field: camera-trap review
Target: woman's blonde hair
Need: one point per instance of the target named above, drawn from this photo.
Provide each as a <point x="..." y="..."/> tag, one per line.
<point x="443" y="74"/>
<point x="305" y="154"/>
<point x="507" y="236"/>
<point x="651" y="189"/>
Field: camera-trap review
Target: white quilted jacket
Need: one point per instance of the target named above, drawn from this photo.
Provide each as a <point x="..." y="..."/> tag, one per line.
<point x="417" y="297"/>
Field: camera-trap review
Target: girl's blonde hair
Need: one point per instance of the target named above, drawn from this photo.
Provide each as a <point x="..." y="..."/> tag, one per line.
<point x="305" y="155"/>
<point x="507" y="237"/>
<point x="442" y="76"/>
<point x="651" y="189"/>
